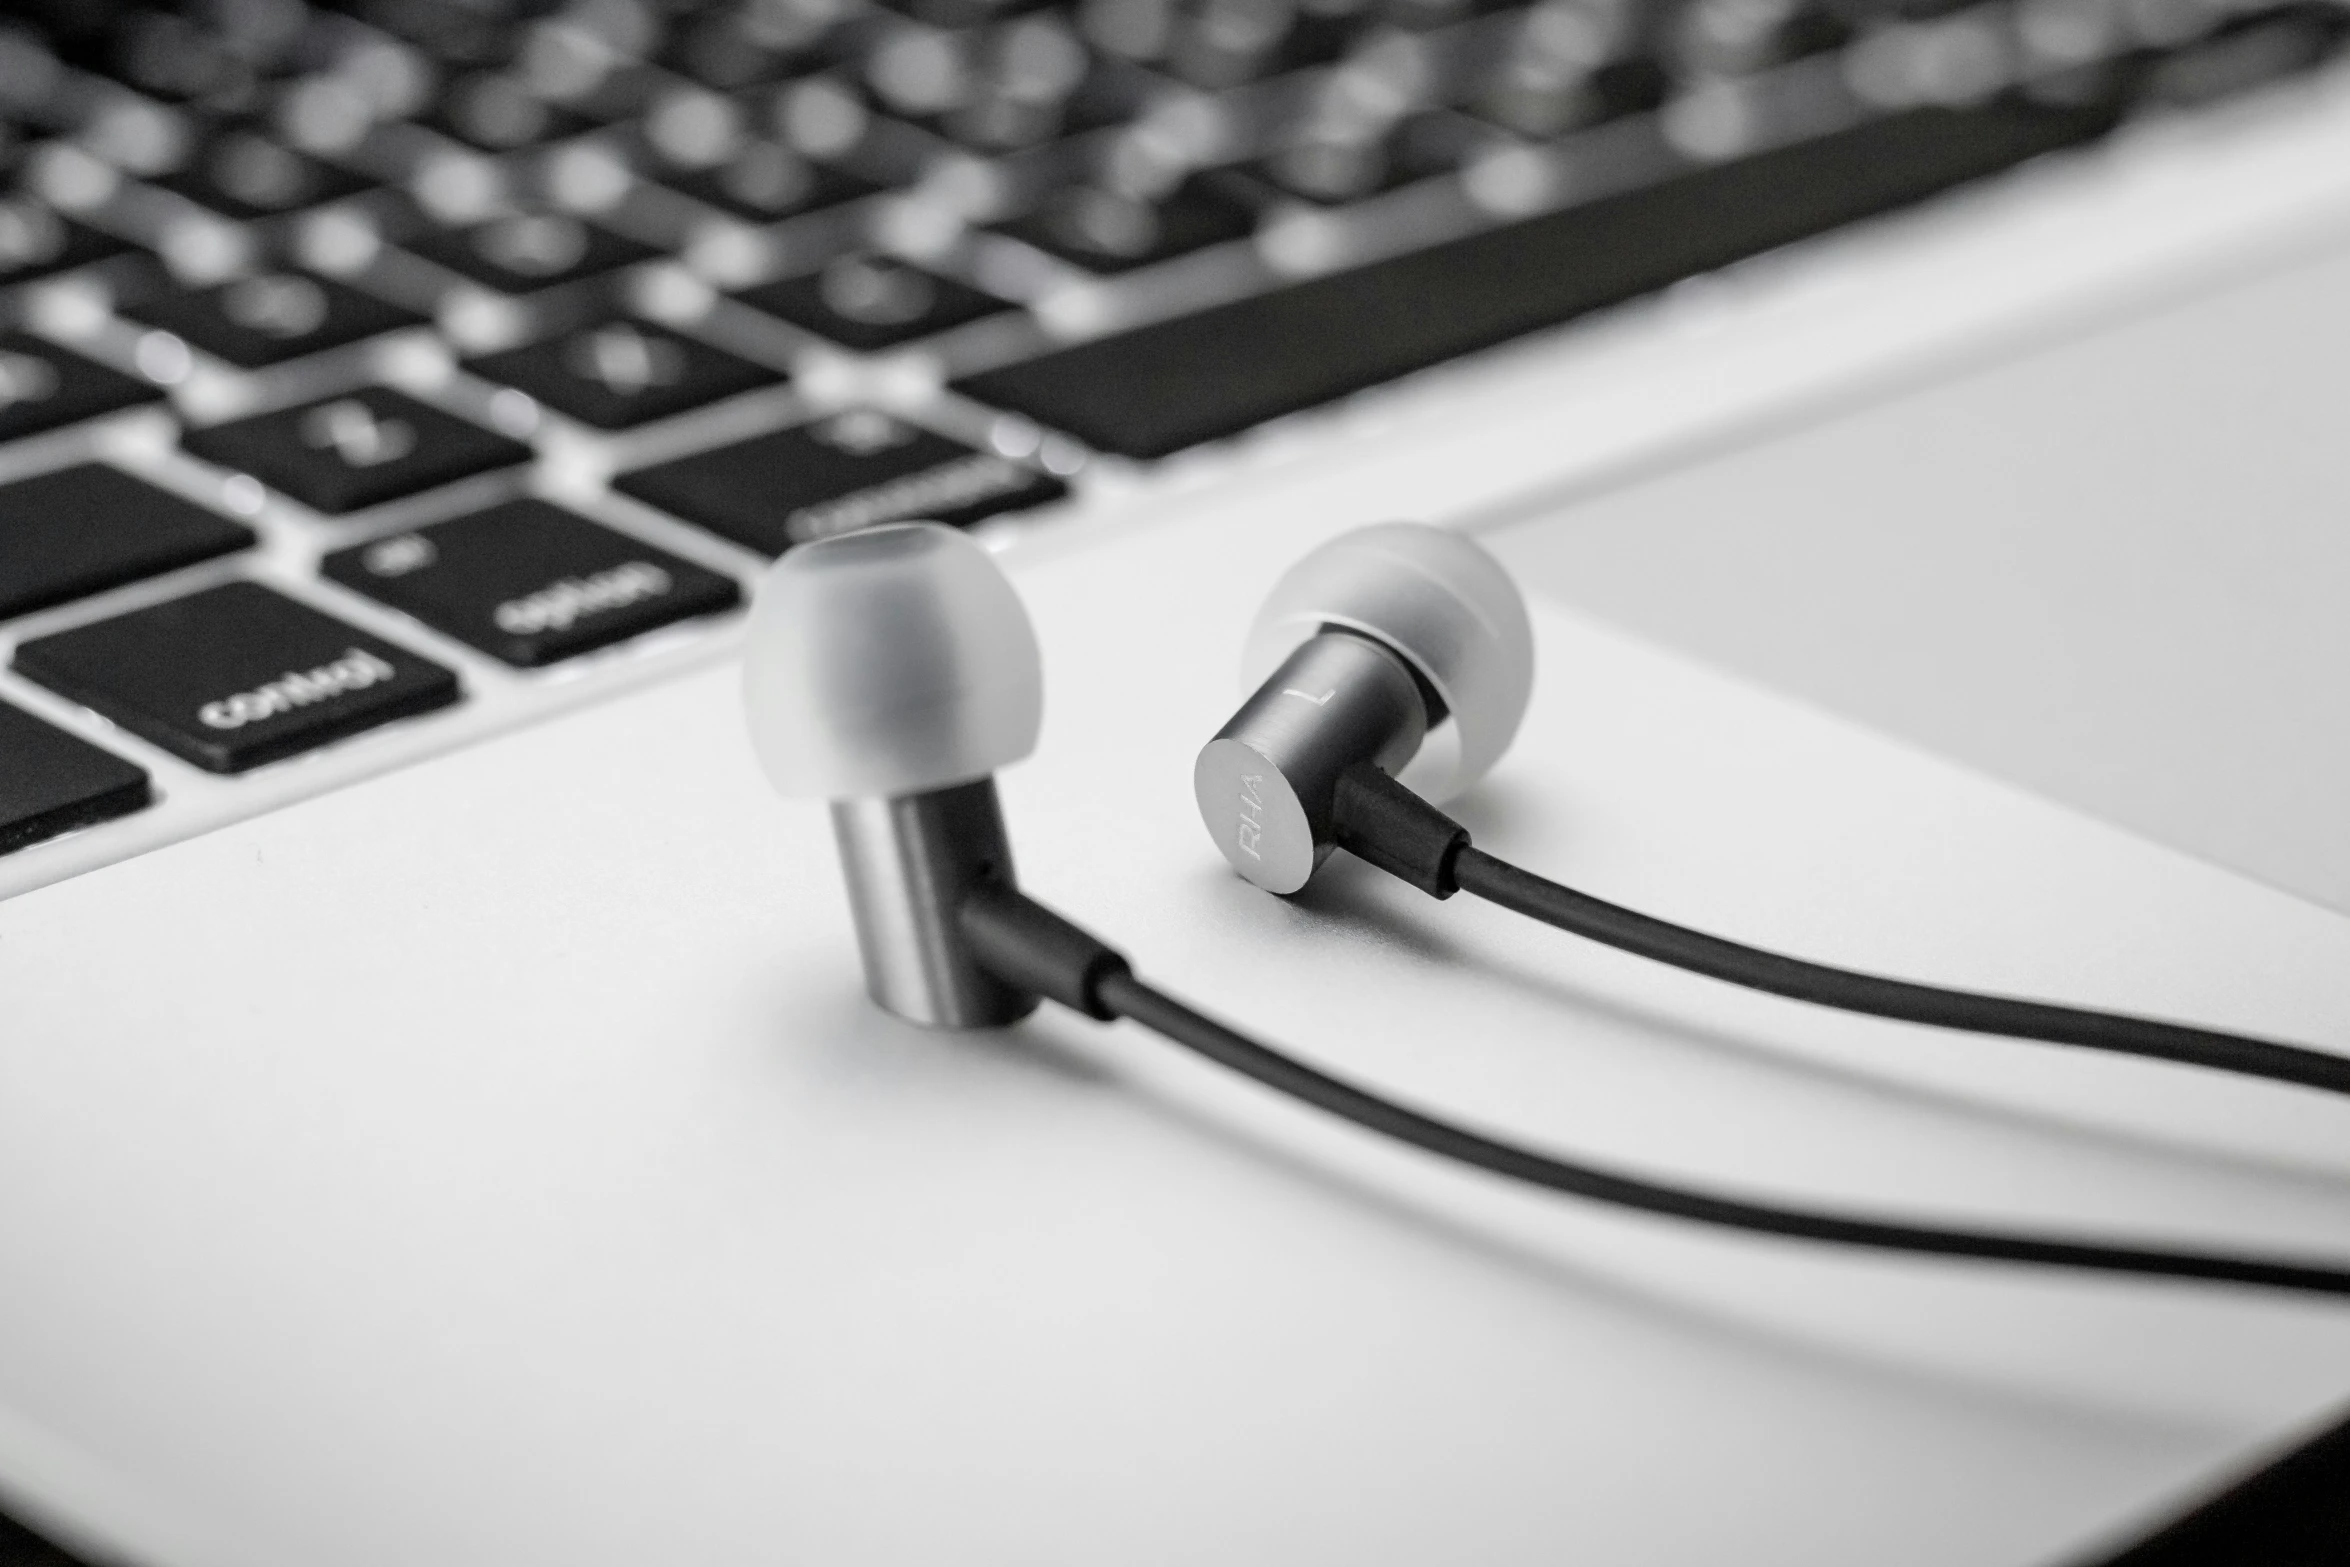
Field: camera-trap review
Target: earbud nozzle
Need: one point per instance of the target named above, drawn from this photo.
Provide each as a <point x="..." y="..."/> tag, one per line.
<point x="1440" y="602"/>
<point x="889" y="662"/>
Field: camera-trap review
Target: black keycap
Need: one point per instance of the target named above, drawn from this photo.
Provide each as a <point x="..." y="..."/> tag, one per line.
<point x="1108" y="232"/>
<point x="1539" y="97"/>
<point x="236" y="676"/>
<point x="524" y="251"/>
<point x="172" y="57"/>
<point x="962" y="13"/>
<point x="531" y="583"/>
<point x="716" y="53"/>
<point x="460" y="36"/>
<point x="277" y="316"/>
<point x="1163" y="387"/>
<point x="1731" y="37"/>
<point x="623" y="93"/>
<point x="1208" y="50"/>
<point x="2247" y="53"/>
<point x="346" y="452"/>
<point x="622" y="373"/>
<point x="872" y="302"/>
<point x="51" y="782"/>
<point x="766" y="182"/>
<point x="1424" y="14"/>
<point x="42" y="386"/>
<point x="734" y="48"/>
<point x="246" y="175"/>
<point x="846" y="472"/>
<point x="86" y="528"/>
<point x="997" y="122"/>
<point x="1333" y="166"/>
<point x="497" y="113"/>
<point x="34" y="241"/>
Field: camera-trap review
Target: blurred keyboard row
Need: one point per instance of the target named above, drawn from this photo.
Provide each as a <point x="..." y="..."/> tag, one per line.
<point x="372" y="285"/>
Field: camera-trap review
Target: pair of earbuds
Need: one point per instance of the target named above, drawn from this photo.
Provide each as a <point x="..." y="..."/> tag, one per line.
<point x="892" y="672"/>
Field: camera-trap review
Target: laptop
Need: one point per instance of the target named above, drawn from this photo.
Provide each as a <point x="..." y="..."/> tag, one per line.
<point x="439" y="1118"/>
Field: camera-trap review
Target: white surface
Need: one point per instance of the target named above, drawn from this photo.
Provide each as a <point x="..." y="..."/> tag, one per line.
<point x="494" y="1161"/>
<point x="2113" y="570"/>
<point x="560" y="1199"/>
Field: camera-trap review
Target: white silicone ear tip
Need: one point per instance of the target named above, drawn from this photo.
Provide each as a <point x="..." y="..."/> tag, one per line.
<point x="889" y="662"/>
<point x="1439" y="600"/>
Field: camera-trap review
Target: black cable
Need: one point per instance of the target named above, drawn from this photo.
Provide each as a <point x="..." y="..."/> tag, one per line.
<point x="1500" y="882"/>
<point x="1386" y="824"/>
<point x="1027" y="945"/>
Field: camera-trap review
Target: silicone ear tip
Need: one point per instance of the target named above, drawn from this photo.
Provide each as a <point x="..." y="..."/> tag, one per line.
<point x="887" y="662"/>
<point x="1441" y="602"/>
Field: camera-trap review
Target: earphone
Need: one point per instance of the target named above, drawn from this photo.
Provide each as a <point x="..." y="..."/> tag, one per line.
<point x="893" y="671"/>
<point x="1392" y="668"/>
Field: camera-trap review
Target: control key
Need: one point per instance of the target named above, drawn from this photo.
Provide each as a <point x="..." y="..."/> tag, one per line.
<point x="236" y="676"/>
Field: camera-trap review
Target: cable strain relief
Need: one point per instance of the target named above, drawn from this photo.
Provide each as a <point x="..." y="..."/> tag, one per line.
<point x="1032" y="949"/>
<point x="1377" y="819"/>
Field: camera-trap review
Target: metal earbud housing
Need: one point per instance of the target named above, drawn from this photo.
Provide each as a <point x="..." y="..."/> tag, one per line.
<point x="1402" y="645"/>
<point x="891" y="672"/>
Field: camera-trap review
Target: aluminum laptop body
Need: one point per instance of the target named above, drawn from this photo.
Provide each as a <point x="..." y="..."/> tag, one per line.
<point x="463" y="1137"/>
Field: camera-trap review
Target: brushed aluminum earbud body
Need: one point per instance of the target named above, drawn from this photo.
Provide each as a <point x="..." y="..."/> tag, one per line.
<point x="1266" y="782"/>
<point x="909" y="861"/>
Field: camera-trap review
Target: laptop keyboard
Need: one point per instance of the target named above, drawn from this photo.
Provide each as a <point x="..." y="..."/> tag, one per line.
<point x="376" y="282"/>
